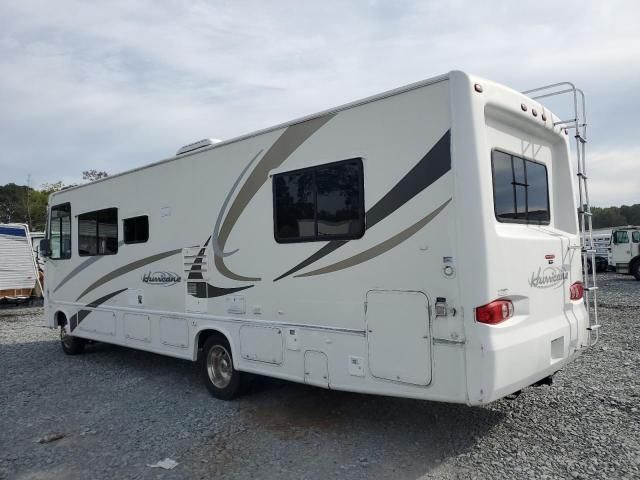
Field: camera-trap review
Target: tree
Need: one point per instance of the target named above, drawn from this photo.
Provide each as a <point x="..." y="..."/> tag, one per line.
<point x="631" y="213"/>
<point x="12" y="203"/>
<point x="23" y="204"/>
<point x="93" y="175"/>
<point x="616" y="216"/>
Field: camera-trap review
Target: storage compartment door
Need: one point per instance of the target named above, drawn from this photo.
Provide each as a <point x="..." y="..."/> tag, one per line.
<point x="398" y="336"/>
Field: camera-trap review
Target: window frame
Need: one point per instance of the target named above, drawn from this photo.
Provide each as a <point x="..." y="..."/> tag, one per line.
<point x="522" y="221"/>
<point x="68" y="256"/>
<point x="97" y="234"/>
<point x="124" y="232"/>
<point x="316" y="237"/>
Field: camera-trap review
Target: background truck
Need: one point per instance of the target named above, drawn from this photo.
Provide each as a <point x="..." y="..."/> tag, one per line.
<point x="625" y="250"/>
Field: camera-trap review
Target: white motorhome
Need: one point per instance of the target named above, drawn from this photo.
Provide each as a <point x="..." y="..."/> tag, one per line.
<point x="625" y="250"/>
<point x="420" y="243"/>
<point x="18" y="270"/>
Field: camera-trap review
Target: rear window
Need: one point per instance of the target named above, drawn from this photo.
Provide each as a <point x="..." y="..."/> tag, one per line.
<point x="520" y="189"/>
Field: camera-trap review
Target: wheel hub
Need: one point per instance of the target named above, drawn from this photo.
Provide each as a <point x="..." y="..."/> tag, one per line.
<point x="219" y="366"/>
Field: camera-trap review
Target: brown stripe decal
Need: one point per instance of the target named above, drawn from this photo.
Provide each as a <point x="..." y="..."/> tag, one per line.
<point x="75" y="320"/>
<point x="283" y="147"/>
<point x="427" y="171"/>
<point x="128" y="268"/>
<point x="377" y="249"/>
<point x="324" y="251"/>
<point x="82" y="266"/>
<point x="211" y="291"/>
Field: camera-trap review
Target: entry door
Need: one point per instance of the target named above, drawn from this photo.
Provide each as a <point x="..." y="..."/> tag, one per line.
<point x="398" y="336"/>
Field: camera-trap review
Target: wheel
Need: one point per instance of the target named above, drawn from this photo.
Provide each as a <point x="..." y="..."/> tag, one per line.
<point x="221" y="378"/>
<point x="636" y="270"/>
<point x="70" y="345"/>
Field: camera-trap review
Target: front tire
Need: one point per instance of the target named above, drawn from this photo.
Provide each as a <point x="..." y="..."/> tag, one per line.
<point x="221" y="378"/>
<point x="71" y="345"/>
<point x="636" y="270"/>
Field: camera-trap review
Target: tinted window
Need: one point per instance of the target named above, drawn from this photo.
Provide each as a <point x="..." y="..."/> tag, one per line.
<point x="520" y="189"/>
<point x="319" y="203"/>
<point x="503" y="185"/>
<point x="98" y="232"/>
<point x="60" y="231"/>
<point x="635" y="237"/>
<point x="338" y="201"/>
<point x="294" y="198"/>
<point x="620" y="236"/>
<point x="136" y="229"/>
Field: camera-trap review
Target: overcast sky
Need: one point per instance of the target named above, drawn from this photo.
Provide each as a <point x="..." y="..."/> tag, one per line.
<point x="114" y="85"/>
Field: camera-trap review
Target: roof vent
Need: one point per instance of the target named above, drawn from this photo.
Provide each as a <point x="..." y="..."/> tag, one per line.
<point x="198" y="145"/>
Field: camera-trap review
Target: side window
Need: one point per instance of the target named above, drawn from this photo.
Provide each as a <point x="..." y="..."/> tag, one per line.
<point x="60" y="231"/>
<point x="635" y="236"/>
<point x="136" y="229"/>
<point x="319" y="203"/>
<point x="98" y="232"/>
<point x="621" y="236"/>
<point x="520" y="189"/>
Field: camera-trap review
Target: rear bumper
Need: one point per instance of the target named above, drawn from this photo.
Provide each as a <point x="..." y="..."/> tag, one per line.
<point x="512" y="357"/>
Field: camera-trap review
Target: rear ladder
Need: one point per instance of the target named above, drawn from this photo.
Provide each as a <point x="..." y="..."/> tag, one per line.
<point x="579" y="125"/>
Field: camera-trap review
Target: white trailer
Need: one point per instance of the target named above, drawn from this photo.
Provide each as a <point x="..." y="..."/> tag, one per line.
<point x="18" y="271"/>
<point x="35" y="243"/>
<point x="625" y="250"/>
<point x="420" y="243"/>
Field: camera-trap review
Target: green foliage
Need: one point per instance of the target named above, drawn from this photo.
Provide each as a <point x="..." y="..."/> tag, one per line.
<point x="616" y="216"/>
<point x="93" y="175"/>
<point x="23" y="204"/>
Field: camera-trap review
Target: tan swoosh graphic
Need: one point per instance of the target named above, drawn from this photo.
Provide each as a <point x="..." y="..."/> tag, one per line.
<point x="126" y="269"/>
<point x="377" y="249"/>
<point x="283" y="147"/>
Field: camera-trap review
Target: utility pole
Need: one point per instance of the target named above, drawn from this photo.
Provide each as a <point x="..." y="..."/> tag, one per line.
<point x="28" y="206"/>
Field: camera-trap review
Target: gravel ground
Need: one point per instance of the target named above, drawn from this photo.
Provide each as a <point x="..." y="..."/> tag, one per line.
<point x="118" y="410"/>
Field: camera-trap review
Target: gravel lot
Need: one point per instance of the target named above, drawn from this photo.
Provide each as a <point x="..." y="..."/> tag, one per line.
<point x="119" y="410"/>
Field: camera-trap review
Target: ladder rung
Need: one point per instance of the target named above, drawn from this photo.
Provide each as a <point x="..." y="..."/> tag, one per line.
<point x="585" y="250"/>
<point x="590" y="289"/>
<point x="570" y="120"/>
<point x="593" y="327"/>
<point x="582" y="175"/>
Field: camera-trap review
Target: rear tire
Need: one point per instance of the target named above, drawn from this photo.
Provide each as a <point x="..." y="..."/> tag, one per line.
<point x="221" y="378"/>
<point x="70" y="345"/>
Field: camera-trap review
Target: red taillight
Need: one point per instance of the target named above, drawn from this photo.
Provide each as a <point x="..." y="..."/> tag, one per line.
<point x="495" y="312"/>
<point x="576" y="291"/>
